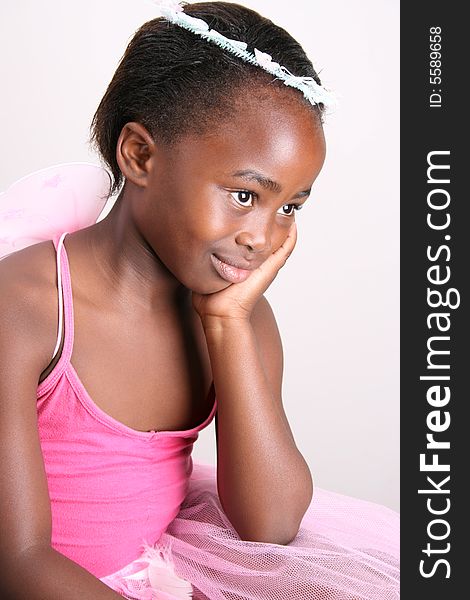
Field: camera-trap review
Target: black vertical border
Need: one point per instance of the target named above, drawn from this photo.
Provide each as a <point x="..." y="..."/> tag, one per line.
<point x="423" y="130"/>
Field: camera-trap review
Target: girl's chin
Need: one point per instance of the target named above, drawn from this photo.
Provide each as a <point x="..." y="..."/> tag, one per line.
<point x="205" y="284"/>
<point x="208" y="285"/>
<point x="210" y="289"/>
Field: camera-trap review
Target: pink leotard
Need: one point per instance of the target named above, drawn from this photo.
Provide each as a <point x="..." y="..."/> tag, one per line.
<point x="111" y="487"/>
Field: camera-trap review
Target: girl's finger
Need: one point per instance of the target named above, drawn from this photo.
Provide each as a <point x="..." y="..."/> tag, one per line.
<point x="281" y="255"/>
<point x="266" y="272"/>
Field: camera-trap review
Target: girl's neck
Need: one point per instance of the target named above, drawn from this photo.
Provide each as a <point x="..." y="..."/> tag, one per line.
<point x="132" y="273"/>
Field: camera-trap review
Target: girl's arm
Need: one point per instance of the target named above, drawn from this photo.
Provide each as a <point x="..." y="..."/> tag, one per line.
<point x="29" y="567"/>
<point x="264" y="483"/>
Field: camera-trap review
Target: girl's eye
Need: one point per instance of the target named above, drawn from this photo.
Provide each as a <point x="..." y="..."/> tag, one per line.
<point x="243" y="197"/>
<point x="288" y="209"/>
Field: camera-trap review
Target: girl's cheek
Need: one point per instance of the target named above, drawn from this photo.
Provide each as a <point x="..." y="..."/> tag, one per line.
<point x="280" y="237"/>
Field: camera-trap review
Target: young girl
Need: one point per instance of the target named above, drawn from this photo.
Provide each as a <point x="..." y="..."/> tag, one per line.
<point x="156" y="323"/>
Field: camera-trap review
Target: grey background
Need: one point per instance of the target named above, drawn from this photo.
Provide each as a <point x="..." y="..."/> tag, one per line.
<point x="336" y="300"/>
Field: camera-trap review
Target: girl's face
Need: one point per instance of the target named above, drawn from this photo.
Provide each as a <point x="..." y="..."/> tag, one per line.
<point x="232" y="195"/>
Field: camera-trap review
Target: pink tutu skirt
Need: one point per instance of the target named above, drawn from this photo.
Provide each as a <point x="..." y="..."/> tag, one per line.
<point x="346" y="549"/>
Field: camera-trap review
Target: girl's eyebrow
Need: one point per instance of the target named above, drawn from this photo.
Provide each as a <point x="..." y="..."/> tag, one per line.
<point x="266" y="182"/>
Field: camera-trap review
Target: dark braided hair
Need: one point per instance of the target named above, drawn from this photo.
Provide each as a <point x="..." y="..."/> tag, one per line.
<point x="173" y="82"/>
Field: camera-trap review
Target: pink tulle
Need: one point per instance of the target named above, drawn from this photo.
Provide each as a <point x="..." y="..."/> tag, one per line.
<point x="346" y="549"/>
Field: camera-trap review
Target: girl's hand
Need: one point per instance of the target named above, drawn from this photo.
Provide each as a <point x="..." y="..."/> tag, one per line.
<point x="236" y="302"/>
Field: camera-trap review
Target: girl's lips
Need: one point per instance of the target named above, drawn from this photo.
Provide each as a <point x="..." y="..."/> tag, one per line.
<point x="229" y="272"/>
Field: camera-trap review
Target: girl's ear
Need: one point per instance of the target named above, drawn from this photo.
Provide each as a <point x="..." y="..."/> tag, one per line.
<point x="135" y="153"/>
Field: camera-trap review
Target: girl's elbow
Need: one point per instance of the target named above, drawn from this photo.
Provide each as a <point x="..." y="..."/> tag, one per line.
<point x="268" y="536"/>
<point x="279" y="532"/>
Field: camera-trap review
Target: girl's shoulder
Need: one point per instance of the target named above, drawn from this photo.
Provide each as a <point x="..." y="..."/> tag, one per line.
<point x="31" y="270"/>
<point x="28" y="295"/>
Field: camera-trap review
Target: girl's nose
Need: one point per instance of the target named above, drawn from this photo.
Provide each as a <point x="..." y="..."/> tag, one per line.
<point x="256" y="238"/>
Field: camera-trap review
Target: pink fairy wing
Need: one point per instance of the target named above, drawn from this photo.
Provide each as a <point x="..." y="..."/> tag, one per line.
<point x="64" y="197"/>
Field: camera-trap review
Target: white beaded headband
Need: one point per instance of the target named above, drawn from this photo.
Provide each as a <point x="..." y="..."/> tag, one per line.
<point x="315" y="94"/>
